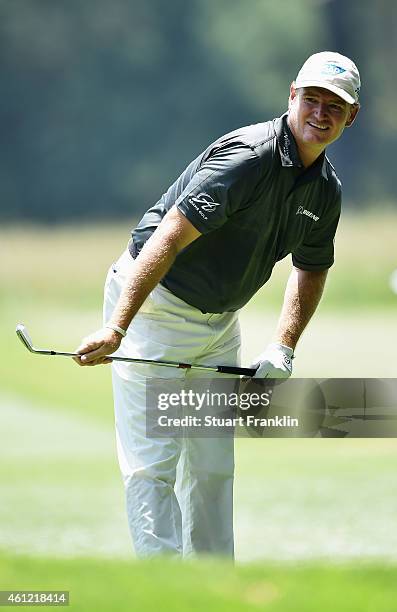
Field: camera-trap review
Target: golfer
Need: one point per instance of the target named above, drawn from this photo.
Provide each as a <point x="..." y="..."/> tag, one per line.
<point x="195" y="259"/>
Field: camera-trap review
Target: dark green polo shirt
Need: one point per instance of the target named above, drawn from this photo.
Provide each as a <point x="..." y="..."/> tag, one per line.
<point x="254" y="203"/>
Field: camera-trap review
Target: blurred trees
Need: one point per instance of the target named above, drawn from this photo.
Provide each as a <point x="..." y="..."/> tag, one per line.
<point x="367" y="32"/>
<point x="104" y="103"/>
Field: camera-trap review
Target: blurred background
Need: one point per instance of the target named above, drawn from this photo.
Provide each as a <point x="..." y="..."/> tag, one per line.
<point x="102" y="106"/>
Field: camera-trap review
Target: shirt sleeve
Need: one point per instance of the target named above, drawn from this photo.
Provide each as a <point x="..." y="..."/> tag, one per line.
<point x="223" y="185"/>
<point x="317" y="251"/>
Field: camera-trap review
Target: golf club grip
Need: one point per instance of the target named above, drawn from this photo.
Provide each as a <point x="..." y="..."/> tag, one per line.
<point x="236" y="370"/>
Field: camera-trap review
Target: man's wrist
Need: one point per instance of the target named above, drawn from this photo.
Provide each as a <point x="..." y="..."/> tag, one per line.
<point x="117" y="328"/>
<point x="286" y="339"/>
<point x="288" y="349"/>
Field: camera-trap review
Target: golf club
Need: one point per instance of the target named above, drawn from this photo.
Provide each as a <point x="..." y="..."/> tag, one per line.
<point x="24" y="337"/>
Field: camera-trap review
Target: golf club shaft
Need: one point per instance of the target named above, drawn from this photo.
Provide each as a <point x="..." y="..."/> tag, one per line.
<point x="237" y="371"/>
<point x="173" y="364"/>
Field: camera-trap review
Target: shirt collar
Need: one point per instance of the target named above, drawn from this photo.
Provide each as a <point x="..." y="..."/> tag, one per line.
<point x="288" y="150"/>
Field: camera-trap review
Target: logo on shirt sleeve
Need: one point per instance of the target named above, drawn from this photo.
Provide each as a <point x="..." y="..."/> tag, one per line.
<point x="203" y="202"/>
<point x="307" y="213"/>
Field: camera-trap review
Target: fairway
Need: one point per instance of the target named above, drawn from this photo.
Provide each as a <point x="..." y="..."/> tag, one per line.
<point x="336" y="344"/>
<point x="289" y="493"/>
<point x="301" y="505"/>
<point x="162" y="585"/>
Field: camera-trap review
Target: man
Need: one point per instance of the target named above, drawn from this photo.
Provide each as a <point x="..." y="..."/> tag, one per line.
<point x="196" y="257"/>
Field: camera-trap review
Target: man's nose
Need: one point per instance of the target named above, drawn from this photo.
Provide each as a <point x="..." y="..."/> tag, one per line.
<point x="321" y="111"/>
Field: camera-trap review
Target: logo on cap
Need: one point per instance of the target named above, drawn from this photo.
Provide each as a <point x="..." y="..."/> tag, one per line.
<point x="331" y="68"/>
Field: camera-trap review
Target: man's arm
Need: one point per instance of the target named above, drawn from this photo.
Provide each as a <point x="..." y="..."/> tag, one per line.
<point x="173" y="234"/>
<point x="302" y="295"/>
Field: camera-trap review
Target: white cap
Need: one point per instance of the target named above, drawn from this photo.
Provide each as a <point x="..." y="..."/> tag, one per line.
<point x="331" y="71"/>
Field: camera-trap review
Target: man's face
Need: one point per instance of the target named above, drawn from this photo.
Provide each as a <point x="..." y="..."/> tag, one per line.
<point x="318" y="117"/>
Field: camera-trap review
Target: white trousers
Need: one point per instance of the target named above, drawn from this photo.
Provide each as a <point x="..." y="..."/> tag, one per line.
<point x="179" y="491"/>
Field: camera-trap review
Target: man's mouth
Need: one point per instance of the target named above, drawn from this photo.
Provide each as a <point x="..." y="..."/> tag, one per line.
<point x="318" y="126"/>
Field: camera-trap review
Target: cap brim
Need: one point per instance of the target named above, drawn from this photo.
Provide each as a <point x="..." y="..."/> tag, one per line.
<point x="336" y="90"/>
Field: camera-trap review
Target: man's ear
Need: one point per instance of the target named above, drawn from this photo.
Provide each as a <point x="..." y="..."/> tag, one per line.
<point x="292" y="93"/>
<point x="352" y="114"/>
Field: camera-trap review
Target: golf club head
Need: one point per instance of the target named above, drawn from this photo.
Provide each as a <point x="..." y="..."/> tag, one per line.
<point x="26" y="340"/>
<point x="24" y="337"/>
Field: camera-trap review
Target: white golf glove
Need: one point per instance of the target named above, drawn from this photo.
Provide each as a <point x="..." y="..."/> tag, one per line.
<point x="274" y="362"/>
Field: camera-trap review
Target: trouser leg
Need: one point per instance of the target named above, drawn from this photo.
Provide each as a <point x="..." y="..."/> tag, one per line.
<point x="206" y="474"/>
<point x="148" y="467"/>
<point x="205" y="493"/>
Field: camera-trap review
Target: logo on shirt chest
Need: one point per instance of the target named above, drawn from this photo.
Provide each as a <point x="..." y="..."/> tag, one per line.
<point x="203" y="201"/>
<point x="307" y="213"/>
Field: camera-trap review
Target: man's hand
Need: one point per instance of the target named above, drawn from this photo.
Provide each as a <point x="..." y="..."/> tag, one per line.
<point x="94" y="348"/>
<point x="274" y="362"/>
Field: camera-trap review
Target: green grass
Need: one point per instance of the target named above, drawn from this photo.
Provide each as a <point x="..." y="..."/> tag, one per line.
<point x="66" y="266"/>
<point x="54" y="380"/>
<point x="62" y="494"/>
<point x="163" y="585"/>
<point x="321" y="501"/>
<point x="335" y="345"/>
<point x="58" y="266"/>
